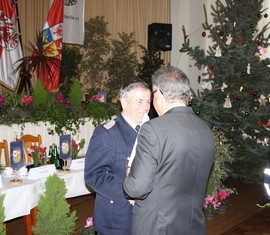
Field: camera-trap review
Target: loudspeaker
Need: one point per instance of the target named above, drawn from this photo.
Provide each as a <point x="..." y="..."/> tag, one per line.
<point x="160" y="37"/>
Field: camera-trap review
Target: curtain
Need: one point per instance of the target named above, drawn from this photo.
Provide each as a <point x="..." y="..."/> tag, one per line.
<point x="122" y="16"/>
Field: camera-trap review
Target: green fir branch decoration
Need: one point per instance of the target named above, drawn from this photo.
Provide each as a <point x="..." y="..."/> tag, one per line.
<point x="54" y="216"/>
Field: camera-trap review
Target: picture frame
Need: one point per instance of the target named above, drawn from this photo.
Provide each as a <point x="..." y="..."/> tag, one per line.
<point x="17" y="154"/>
<point x="65" y="147"/>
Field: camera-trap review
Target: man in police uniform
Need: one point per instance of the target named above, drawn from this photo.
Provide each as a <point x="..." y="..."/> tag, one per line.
<point x="107" y="157"/>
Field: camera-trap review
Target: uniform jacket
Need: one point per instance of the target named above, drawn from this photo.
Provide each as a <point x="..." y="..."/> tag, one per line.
<point x="267" y="176"/>
<point x="169" y="174"/>
<point x="105" y="166"/>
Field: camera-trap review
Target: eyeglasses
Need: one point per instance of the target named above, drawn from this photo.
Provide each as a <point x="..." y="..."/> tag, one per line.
<point x="156" y="91"/>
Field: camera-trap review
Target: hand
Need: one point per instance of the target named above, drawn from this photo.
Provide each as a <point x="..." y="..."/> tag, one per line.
<point x="127" y="171"/>
<point x="131" y="202"/>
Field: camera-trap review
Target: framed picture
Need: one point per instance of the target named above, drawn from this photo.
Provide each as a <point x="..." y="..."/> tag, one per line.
<point x="17" y="154"/>
<point x="65" y="147"/>
<point x="102" y="96"/>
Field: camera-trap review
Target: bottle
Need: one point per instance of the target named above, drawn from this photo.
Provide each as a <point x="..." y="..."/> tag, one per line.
<point x="49" y="155"/>
<point x="53" y="153"/>
<point x="58" y="162"/>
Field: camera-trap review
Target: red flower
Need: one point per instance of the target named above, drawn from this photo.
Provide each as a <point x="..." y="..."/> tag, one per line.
<point x="27" y="99"/>
<point x="95" y="97"/>
<point x="74" y="144"/>
<point x="223" y="194"/>
<point x="60" y="98"/>
<point x="1" y="101"/>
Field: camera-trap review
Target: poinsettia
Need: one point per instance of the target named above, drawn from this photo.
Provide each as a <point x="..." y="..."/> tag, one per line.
<point x="223" y="197"/>
<point x="211" y="202"/>
<point x="89" y="227"/>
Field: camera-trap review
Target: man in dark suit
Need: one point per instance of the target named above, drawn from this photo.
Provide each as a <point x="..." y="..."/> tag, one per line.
<point x="107" y="157"/>
<point x="173" y="159"/>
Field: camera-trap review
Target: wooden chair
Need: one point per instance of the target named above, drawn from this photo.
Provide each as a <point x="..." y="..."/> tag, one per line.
<point x="4" y="147"/>
<point x="30" y="140"/>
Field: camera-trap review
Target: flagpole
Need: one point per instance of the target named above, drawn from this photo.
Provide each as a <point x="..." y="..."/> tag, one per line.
<point x="15" y="2"/>
<point x="25" y="83"/>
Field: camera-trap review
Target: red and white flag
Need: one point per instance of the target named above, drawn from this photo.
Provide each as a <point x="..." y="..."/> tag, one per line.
<point x="52" y="45"/>
<point x="10" y="46"/>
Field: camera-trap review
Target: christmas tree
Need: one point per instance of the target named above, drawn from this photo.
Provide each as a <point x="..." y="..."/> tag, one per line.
<point x="235" y="81"/>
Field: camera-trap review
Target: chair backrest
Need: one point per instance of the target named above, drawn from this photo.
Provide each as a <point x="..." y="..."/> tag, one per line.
<point x="4" y="147"/>
<point x="29" y="141"/>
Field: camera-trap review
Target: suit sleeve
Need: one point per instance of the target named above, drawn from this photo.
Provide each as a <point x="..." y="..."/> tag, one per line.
<point x="145" y="165"/>
<point x="98" y="165"/>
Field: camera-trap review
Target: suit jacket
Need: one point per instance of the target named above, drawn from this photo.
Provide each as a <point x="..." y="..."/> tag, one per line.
<point x="105" y="166"/>
<point x="169" y="174"/>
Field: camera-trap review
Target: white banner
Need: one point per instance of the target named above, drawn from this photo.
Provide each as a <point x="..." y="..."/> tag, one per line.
<point x="73" y="24"/>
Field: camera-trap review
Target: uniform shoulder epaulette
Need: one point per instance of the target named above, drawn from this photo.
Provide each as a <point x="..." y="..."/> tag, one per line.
<point x="109" y="124"/>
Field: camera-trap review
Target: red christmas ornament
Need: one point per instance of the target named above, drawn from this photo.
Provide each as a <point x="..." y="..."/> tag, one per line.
<point x="234" y="120"/>
<point x="254" y="93"/>
<point x="238" y="97"/>
<point x="211" y="67"/>
<point x="241" y="40"/>
<point x="259" y="15"/>
<point x="268" y="123"/>
<point x="203" y="34"/>
<point x="265" y="15"/>
<point x="221" y="33"/>
<point x="260" y="123"/>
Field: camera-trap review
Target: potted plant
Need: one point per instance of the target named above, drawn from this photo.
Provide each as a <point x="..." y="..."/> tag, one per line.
<point x="220" y="170"/>
<point x="54" y="216"/>
<point x="95" y="52"/>
<point x="38" y="155"/>
<point x="210" y="205"/>
<point x="89" y="227"/>
<point x="122" y="65"/>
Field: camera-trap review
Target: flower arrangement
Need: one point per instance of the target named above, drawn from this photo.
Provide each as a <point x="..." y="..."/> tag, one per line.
<point x="76" y="147"/>
<point x="65" y="112"/>
<point x="223" y="196"/>
<point x="38" y="155"/>
<point x="89" y="227"/>
<point x="211" y="203"/>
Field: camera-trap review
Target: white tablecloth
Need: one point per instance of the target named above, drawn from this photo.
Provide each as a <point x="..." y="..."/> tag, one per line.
<point x="20" y="199"/>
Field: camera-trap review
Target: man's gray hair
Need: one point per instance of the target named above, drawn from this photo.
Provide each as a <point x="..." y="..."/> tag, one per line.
<point x="126" y="88"/>
<point x="172" y="82"/>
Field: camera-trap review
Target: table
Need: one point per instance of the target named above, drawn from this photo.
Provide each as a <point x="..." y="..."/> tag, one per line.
<point x="21" y="199"/>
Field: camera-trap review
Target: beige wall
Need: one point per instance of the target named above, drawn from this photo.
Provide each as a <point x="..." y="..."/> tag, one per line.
<point x="122" y="16"/>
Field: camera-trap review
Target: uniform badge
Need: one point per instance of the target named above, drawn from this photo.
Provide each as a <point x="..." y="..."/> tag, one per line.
<point x="109" y="124"/>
